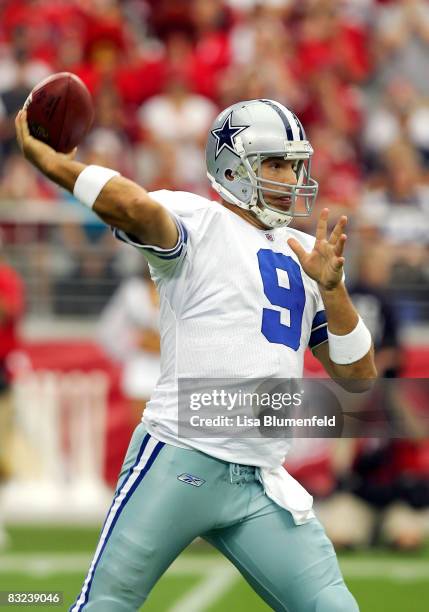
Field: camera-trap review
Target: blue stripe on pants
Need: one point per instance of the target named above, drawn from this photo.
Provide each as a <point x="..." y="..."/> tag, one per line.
<point x="134" y="477"/>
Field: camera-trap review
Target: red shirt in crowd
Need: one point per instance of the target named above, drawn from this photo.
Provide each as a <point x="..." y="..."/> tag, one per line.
<point x="11" y="308"/>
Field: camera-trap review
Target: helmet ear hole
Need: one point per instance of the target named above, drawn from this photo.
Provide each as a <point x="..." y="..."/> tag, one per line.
<point x="229" y="175"/>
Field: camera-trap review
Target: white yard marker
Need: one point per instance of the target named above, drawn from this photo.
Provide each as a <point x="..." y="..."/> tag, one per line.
<point x="215" y="583"/>
<point x="45" y="564"/>
<point x="218" y="575"/>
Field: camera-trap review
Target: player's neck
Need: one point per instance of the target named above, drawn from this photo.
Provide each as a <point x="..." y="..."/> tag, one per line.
<point x="244" y="214"/>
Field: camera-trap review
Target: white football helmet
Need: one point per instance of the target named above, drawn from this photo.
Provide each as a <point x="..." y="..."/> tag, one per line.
<point x="241" y="138"/>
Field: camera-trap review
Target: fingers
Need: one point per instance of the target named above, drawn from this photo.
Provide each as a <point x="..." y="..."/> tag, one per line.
<point x="24" y="124"/>
<point x="339" y="263"/>
<point x="338" y="230"/>
<point x="18" y="129"/>
<point x="322" y="225"/>
<point x="21" y="126"/>
<point x="71" y="154"/>
<point x="339" y="247"/>
<point x="296" y="247"/>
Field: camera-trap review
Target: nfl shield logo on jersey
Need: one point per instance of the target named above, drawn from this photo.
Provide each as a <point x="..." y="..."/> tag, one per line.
<point x="192" y="480"/>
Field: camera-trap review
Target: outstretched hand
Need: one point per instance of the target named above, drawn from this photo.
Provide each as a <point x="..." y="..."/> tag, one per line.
<point x="36" y="151"/>
<point x="325" y="262"/>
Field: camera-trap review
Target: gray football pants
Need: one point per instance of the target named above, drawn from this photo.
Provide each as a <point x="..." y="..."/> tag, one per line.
<point x="155" y="515"/>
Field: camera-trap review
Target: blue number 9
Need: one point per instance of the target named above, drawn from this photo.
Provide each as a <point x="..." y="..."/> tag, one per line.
<point x="292" y="298"/>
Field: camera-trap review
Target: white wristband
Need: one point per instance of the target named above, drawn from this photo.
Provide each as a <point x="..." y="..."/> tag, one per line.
<point x="90" y="182"/>
<point x="351" y="347"/>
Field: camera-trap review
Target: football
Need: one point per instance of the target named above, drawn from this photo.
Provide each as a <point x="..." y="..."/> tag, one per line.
<point x="60" y="111"/>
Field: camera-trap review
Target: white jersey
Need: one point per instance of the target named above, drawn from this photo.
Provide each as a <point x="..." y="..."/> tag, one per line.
<point x="235" y="303"/>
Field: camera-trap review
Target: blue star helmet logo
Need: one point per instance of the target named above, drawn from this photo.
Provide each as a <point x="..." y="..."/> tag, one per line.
<point x="225" y="134"/>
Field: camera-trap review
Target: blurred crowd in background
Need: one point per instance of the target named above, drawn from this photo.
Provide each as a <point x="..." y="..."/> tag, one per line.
<point x="354" y="71"/>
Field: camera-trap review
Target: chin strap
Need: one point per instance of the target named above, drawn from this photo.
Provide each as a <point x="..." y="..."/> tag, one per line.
<point x="269" y="218"/>
<point x="228" y="196"/>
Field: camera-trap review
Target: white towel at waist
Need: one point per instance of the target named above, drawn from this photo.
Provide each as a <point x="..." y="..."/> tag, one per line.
<point x="283" y="489"/>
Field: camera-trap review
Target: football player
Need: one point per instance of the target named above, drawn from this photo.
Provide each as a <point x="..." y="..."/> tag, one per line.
<point x="242" y="295"/>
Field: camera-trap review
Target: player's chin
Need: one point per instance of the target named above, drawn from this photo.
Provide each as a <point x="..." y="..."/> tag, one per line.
<point x="282" y="204"/>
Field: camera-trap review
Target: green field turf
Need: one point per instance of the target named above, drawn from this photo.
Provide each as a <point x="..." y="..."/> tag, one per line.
<point x="56" y="559"/>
